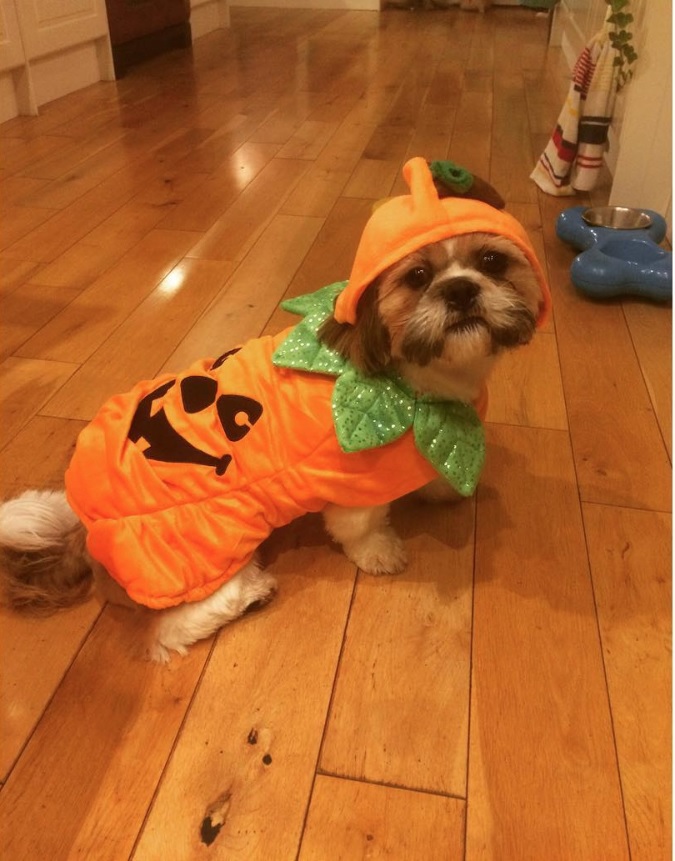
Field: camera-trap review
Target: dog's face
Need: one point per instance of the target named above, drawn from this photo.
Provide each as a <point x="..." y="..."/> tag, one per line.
<point x="458" y="302"/>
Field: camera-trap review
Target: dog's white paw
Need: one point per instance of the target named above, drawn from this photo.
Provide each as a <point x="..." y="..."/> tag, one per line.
<point x="177" y="628"/>
<point x="159" y="649"/>
<point x="157" y="653"/>
<point x="260" y="587"/>
<point x="379" y="553"/>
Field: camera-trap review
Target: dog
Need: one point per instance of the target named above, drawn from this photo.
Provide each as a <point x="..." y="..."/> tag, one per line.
<point x="439" y="289"/>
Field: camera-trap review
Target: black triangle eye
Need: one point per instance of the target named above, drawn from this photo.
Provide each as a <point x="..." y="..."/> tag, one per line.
<point x="418" y="277"/>
<point x="493" y="263"/>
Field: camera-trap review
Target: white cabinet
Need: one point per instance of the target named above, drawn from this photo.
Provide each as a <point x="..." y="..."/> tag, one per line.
<point x="49" y="48"/>
<point x="208" y="15"/>
<point x="11" y="46"/>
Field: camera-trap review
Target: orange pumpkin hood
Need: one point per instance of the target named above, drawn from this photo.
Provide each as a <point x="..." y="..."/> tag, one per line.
<point x="406" y="223"/>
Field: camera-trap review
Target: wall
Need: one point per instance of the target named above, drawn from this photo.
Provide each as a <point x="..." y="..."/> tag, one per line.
<point x="643" y="168"/>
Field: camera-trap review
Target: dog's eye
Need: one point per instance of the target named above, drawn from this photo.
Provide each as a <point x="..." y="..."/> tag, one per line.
<point x="493" y="262"/>
<point x="418" y="277"/>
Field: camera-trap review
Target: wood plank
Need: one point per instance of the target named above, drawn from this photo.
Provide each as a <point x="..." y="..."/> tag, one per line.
<point x="206" y="204"/>
<point x="374" y="178"/>
<point x="350" y="140"/>
<point x="651" y="328"/>
<point x="19" y="152"/>
<point x="349" y="820"/>
<point x="480" y="61"/>
<point x="332" y="255"/>
<point x="175" y="304"/>
<point x="430" y="142"/>
<point x="28" y="309"/>
<point x="14" y="188"/>
<point x="543" y="777"/>
<point x="56" y="234"/>
<point x="380" y="165"/>
<point x="58" y="117"/>
<point x="319" y="188"/>
<point x="38" y="455"/>
<point x="526" y="389"/>
<point x="335" y="107"/>
<point x="112" y="712"/>
<point x="176" y="156"/>
<point x="75" y="333"/>
<point x="232" y="132"/>
<point x="27" y="385"/>
<point x="471" y="141"/>
<point x="18" y="222"/>
<point x="234" y="233"/>
<point x="511" y="159"/>
<point x="85" y="175"/>
<point x="400" y="710"/>
<point x="329" y="259"/>
<point x="82" y="264"/>
<point x="529" y="215"/>
<point x="68" y="160"/>
<point x="308" y="141"/>
<point x="166" y="190"/>
<point x="316" y="193"/>
<point x="14" y="273"/>
<point x="414" y="92"/>
<point x="242" y="309"/>
<point x="241" y="781"/>
<point x="631" y="561"/>
<point x="40" y="650"/>
<point x="619" y="452"/>
<point x="280" y="126"/>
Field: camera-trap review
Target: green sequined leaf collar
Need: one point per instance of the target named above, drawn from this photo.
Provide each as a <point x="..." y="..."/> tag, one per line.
<point x="372" y="411"/>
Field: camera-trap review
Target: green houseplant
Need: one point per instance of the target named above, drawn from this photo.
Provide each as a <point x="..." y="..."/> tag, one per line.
<point x="620" y="18"/>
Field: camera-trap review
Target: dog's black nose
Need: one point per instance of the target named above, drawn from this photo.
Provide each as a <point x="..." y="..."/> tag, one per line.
<point x="460" y="294"/>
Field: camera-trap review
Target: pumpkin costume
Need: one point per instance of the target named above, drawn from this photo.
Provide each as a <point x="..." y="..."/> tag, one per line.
<point x="181" y="479"/>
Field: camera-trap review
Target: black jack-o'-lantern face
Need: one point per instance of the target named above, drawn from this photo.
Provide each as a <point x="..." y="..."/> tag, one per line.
<point x="162" y="442"/>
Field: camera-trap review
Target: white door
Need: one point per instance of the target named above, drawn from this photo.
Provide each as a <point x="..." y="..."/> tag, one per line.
<point x="48" y="26"/>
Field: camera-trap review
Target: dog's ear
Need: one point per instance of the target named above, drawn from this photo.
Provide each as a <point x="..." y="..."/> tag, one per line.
<point x="454" y="181"/>
<point x="366" y="343"/>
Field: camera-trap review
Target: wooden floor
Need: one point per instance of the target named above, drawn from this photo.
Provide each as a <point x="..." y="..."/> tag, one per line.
<point x="509" y="696"/>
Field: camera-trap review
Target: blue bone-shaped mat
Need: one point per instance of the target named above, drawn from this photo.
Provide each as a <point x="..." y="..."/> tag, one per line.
<point x="618" y="262"/>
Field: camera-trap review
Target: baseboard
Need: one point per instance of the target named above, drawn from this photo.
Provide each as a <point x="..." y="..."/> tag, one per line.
<point x="9" y="103"/>
<point x="353" y="5"/>
<point x="59" y="74"/>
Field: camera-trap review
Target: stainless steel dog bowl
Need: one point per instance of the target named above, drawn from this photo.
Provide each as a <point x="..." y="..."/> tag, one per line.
<point x="617" y="217"/>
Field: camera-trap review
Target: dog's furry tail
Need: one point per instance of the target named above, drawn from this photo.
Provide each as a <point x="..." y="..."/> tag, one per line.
<point x="43" y="559"/>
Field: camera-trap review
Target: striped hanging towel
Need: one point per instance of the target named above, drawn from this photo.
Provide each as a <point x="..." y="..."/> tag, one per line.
<point x="572" y="158"/>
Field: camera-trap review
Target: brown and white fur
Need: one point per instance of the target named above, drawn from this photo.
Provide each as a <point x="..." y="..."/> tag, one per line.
<point x="439" y="317"/>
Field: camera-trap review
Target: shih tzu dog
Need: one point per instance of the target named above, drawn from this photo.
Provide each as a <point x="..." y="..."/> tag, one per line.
<point x="378" y="392"/>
